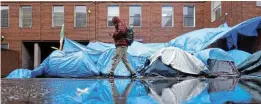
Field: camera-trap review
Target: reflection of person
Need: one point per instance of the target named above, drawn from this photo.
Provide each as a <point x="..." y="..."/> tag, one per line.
<point x="121" y="46"/>
<point x="120" y="99"/>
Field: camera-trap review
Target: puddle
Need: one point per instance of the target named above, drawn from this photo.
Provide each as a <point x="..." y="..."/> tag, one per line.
<point x="127" y="91"/>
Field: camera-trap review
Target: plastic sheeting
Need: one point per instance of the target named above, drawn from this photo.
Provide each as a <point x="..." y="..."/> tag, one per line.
<point x="198" y="40"/>
<point x="143" y="49"/>
<point x="157" y="68"/>
<point x="20" y="73"/>
<point x="67" y="64"/>
<point x="238" y="56"/>
<point x="179" y="60"/>
<point x="247" y="28"/>
<point x="219" y="62"/>
<point x="213" y="53"/>
<point x="222" y="68"/>
<point x="252" y="64"/>
<point x="76" y="60"/>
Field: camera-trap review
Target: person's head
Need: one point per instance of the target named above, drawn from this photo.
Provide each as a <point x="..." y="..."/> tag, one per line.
<point x="115" y="20"/>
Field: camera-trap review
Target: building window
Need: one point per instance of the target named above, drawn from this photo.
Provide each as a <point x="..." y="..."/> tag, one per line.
<point x="189" y="16"/>
<point x="4" y="46"/>
<point x="113" y="10"/>
<point x="258" y="3"/>
<point x="4" y="16"/>
<point x="58" y="16"/>
<point x="135" y="15"/>
<point x="215" y="10"/>
<point x="25" y="16"/>
<point x="167" y="16"/>
<point x="80" y="16"/>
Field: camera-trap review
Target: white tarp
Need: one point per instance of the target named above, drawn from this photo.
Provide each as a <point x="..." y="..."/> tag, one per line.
<point x="179" y="60"/>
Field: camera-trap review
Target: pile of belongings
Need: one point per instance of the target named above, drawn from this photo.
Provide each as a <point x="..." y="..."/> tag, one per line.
<point x="188" y="54"/>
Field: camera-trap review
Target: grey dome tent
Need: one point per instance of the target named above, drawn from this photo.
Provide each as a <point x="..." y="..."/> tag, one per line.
<point x="218" y="61"/>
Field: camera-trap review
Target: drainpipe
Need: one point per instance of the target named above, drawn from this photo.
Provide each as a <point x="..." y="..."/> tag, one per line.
<point x="89" y="13"/>
<point x="225" y="19"/>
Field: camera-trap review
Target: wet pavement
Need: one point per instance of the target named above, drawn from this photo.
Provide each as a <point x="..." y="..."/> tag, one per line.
<point x="127" y="91"/>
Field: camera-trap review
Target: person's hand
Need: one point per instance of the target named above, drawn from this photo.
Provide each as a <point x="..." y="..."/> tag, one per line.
<point x="110" y="34"/>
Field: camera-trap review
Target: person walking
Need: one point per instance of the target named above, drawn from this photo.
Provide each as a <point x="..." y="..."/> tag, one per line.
<point x="121" y="45"/>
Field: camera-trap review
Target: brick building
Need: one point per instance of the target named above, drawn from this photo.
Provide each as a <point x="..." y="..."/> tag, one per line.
<point x="31" y="28"/>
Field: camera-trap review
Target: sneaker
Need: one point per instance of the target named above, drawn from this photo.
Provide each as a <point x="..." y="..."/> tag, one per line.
<point x="133" y="75"/>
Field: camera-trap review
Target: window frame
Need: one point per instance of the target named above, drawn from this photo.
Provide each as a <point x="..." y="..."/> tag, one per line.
<point x="7" y="44"/>
<point x="76" y="18"/>
<point x="213" y="9"/>
<point x="8" y="18"/>
<point x="194" y="23"/>
<point x="172" y="25"/>
<point x="53" y="16"/>
<point x="140" y="16"/>
<point x="258" y="3"/>
<point x="20" y="8"/>
<point x="108" y="13"/>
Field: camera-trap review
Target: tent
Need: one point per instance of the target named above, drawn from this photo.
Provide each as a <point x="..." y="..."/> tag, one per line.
<point x="179" y="60"/>
<point x="251" y="65"/>
<point x="157" y="68"/>
<point x="238" y="56"/>
<point x="219" y="62"/>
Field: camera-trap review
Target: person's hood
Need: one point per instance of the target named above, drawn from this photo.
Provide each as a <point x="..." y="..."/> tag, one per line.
<point x="116" y="20"/>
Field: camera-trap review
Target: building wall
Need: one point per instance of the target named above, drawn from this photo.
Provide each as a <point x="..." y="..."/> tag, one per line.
<point x="238" y="11"/>
<point x="10" y="63"/>
<point x="150" y="31"/>
<point x="42" y="30"/>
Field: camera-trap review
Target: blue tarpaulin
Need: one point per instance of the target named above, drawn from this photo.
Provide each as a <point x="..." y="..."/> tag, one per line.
<point x="76" y="60"/>
<point x="251" y="65"/>
<point x="20" y="73"/>
<point x="200" y="39"/>
<point x="213" y="53"/>
<point x="238" y="56"/>
<point x="247" y="28"/>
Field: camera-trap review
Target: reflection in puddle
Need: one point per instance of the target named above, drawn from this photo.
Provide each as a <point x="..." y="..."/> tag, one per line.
<point x="121" y="91"/>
